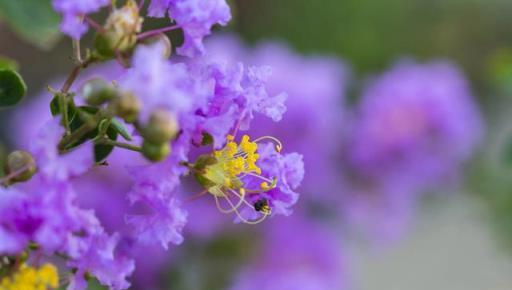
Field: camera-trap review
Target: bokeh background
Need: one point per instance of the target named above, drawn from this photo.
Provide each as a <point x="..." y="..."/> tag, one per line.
<point x="459" y="240"/>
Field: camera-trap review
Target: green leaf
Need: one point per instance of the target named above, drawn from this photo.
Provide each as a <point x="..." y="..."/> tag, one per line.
<point x="34" y="20"/>
<point x="12" y="87"/>
<point x="101" y="152"/>
<point x="121" y="129"/>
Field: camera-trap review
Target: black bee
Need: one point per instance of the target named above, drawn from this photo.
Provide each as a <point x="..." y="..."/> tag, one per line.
<point x="261" y="205"/>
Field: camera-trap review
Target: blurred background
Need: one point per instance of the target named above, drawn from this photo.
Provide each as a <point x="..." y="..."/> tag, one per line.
<point x="461" y="239"/>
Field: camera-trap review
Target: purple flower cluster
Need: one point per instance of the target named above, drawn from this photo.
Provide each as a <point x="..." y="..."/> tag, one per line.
<point x="72" y="206"/>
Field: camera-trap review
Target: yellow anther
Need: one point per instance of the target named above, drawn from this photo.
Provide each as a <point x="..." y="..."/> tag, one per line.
<point x="264" y="185"/>
<point x="27" y="277"/>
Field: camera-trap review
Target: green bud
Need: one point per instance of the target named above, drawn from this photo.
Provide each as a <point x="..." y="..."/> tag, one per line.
<point x="126" y="106"/>
<point x="161" y="127"/>
<point x="155" y="152"/>
<point x="97" y="92"/>
<point x="120" y="30"/>
<point x="20" y="163"/>
<point x="163" y="39"/>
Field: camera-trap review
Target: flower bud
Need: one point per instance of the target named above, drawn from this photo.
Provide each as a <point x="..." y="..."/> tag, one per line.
<point x="155" y="152"/>
<point x="161" y="127"/>
<point x="21" y="164"/>
<point x="162" y="39"/>
<point x="97" y="92"/>
<point x="120" y="30"/>
<point x="126" y="106"/>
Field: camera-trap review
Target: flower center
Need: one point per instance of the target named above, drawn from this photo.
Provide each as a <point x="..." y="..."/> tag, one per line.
<point x="228" y="173"/>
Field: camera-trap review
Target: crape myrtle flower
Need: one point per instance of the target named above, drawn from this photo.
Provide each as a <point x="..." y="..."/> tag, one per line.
<point x="73" y="12"/>
<point x="207" y="98"/>
<point x="413" y="128"/>
<point x="415" y="125"/>
<point x="195" y="17"/>
<point x="296" y="253"/>
<point x="314" y="109"/>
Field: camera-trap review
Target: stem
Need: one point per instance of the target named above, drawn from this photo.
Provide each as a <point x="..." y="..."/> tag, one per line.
<point x="74" y="74"/>
<point x="150" y="33"/>
<point x="106" y="141"/>
<point x="76" y="49"/>
<point x="79" y="133"/>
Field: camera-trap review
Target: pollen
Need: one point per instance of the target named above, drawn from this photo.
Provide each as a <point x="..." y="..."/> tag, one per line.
<point x="30" y="278"/>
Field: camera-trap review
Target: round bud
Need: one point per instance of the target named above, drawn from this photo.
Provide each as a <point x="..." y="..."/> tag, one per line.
<point x="161" y="39"/>
<point x="161" y="127"/>
<point x="120" y="30"/>
<point x="21" y="164"/>
<point x="155" y="152"/>
<point x="126" y="106"/>
<point x="97" y="92"/>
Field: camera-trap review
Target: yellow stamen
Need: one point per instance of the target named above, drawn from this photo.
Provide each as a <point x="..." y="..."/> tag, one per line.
<point x="30" y="278"/>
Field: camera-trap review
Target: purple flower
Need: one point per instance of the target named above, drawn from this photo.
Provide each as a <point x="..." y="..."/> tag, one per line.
<point x="39" y="211"/>
<point x="154" y="191"/>
<point x="195" y="17"/>
<point x="296" y="254"/>
<point x="158" y="83"/>
<point x="100" y="260"/>
<point x="415" y="126"/>
<point x="73" y="12"/>
<point x="314" y="118"/>
<point x="238" y="93"/>
<point x="51" y="163"/>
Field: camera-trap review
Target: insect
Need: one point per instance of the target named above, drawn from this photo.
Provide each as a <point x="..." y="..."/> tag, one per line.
<point x="261" y="205"/>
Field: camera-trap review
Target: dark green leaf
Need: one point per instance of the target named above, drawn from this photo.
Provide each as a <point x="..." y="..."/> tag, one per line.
<point x="101" y="152"/>
<point x="119" y="127"/>
<point x="34" y="20"/>
<point x="54" y="106"/>
<point x="12" y="87"/>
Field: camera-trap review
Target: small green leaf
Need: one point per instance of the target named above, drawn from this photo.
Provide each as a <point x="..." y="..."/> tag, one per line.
<point x="101" y="152"/>
<point x="54" y="106"/>
<point x="12" y="87"/>
<point x="121" y="129"/>
<point x="103" y="127"/>
<point x="33" y="20"/>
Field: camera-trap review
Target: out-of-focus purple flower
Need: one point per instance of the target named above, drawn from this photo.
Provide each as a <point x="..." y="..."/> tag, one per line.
<point x="314" y="118"/>
<point x="51" y="163"/>
<point x="296" y="254"/>
<point x="155" y="190"/>
<point x="100" y="260"/>
<point x="73" y="12"/>
<point x="161" y="84"/>
<point x="39" y="211"/>
<point x="195" y="17"/>
<point x="415" y="125"/>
